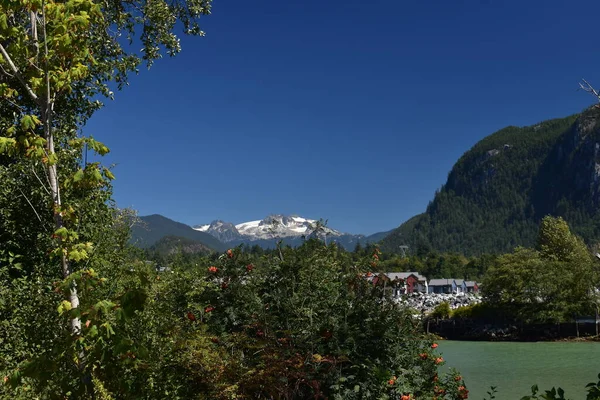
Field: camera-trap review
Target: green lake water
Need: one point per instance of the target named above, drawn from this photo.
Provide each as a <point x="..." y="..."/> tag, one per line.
<point x="515" y="367"/>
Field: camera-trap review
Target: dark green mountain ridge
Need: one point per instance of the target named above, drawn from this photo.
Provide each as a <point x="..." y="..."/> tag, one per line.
<point x="499" y="190"/>
<point x="155" y="227"/>
<point x="171" y="244"/>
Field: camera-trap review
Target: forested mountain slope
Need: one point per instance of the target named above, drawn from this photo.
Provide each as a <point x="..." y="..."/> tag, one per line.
<point x="498" y="191"/>
<point x="153" y="228"/>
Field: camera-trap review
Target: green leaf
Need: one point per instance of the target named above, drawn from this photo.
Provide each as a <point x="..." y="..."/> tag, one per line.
<point x="534" y="389"/>
<point x="78" y="175"/>
<point x="7" y="145"/>
<point x="109" y="174"/>
<point x="64" y="307"/>
<point x="78" y="255"/>
<point x="52" y="158"/>
<point x="28" y="122"/>
<point x="62" y="232"/>
<point x="109" y="329"/>
<point x="98" y="147"/>
<point x="3" y="21"/>
<point x="93" y="332"/>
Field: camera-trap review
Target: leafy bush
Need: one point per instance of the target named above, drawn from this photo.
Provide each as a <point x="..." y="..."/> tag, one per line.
<point x="593" y="390"/>
<point x="442" y="311"/>
<point x="300" y="323"/>
<point x="475" y="311"/>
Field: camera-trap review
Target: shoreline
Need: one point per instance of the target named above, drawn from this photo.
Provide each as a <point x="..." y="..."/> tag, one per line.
<point x="516" y="340"/>
<point x="485" y="331"/>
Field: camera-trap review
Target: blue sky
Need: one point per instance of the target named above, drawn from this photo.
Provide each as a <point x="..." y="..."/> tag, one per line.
<point x="351" y="111"/>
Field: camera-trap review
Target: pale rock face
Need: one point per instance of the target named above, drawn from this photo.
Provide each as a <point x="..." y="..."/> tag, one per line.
<point x="281" y="226"/>
<point x="271" y="227"/>
<point x="274" y="229"/>
<point x="224" y="231"/>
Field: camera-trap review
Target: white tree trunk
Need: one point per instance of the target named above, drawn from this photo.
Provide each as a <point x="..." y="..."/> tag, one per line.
<point x="47" y="108"/>
<point x="58" y="220"/>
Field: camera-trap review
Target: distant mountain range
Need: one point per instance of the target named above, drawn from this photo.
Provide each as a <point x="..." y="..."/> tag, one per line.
<point x="494" y="198"/>
<point x="218" y="235"/>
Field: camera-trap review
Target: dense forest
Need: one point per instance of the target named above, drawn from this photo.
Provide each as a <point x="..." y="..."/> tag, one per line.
<point x="498" y="192"/>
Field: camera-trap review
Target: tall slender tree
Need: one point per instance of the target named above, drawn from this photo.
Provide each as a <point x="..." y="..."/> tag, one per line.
<point x="57" y="60"/>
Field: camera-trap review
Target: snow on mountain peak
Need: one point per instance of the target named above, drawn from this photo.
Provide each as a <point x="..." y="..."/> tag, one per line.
<point x="280" y="226"/>
<point x="272" y="226"/>
<point x="202" y="228"/>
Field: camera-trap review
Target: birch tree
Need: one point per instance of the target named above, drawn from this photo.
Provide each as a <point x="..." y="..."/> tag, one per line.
<point x="58" y="60"/>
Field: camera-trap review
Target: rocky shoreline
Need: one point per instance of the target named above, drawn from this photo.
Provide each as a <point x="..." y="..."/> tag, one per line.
<point x="425" y="303"/>
<point x="488" y="327"/>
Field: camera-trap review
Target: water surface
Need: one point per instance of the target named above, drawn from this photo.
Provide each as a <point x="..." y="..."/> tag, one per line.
<point x="515" y="367"/>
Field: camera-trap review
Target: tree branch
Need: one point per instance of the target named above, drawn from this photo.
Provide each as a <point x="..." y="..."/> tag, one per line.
<point x="6" y="72"/>
<point x="15" y="70"/>
<point x="40" y="181"/>
<point x="14" y="104"/>
<point x="34" y="32"/>
<point x="585" y="86"/>
<point x="33" y="208"/>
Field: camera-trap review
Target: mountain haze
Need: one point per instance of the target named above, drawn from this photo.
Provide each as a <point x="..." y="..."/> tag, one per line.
<point x="498" y="191"/>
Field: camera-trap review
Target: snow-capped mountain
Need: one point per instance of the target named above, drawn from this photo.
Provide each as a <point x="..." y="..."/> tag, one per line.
<point x="280" y="226"/>
<point x="220" y="235"/>
<point x="292" y="229"/>
<point x="224" y="231"/>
